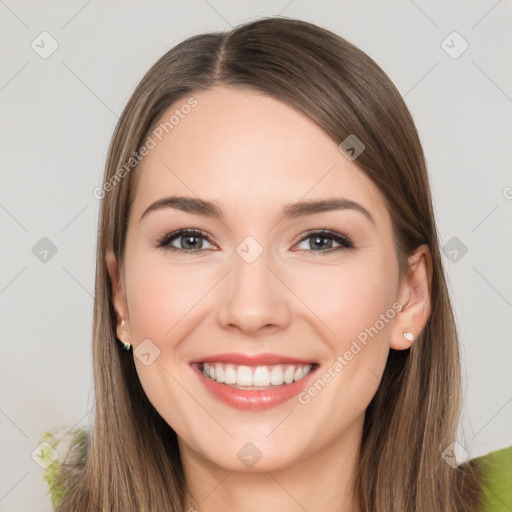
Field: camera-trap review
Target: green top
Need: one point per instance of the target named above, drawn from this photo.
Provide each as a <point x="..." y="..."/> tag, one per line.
<point x="496" y="471"/>
<point x="496" y="481"/>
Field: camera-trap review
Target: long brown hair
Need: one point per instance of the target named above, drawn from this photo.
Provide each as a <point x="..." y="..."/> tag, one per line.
<point x="132" y="460"/>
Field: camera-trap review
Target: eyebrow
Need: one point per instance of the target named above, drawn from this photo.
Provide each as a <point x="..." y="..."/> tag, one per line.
<point x="294" y="210"/>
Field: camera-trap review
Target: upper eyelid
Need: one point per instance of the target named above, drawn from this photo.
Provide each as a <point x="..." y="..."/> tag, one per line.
<point x="322" y="232"/>
<point x="174" y="235"/>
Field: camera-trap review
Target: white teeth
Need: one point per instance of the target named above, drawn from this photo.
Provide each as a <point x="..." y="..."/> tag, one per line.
<point x="276" y="376"/>
<point x="219" y="374"/>
<point x="288" y="374"/>
<point x="244" y="376"/>
<point x="230" y="377"/>
<point x="261" y="376"/>
<point x="299" y="373"/>
<point x="255" y="376"/>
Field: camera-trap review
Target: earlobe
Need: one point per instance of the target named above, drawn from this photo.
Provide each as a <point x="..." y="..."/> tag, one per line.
<point x="415" y="296"/>
<point x="123" y="328"/>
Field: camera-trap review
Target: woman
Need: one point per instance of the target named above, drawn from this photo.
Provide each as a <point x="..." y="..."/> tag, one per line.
<point x="269" y="263"/>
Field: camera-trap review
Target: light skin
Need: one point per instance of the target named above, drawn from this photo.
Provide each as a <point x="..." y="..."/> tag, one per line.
<point x="252" y="155"/>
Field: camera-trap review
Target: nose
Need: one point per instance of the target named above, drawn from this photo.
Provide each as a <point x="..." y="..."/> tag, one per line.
<point x="253" y="298"/>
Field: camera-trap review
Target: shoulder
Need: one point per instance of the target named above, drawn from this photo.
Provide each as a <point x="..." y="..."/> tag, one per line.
<point x="496" y="480"/>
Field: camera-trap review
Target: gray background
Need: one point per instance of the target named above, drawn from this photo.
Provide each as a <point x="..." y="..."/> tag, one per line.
<point x="58" y="114"/>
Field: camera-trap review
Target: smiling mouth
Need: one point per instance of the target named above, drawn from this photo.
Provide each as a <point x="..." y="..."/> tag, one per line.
<point x="254" y="378"/>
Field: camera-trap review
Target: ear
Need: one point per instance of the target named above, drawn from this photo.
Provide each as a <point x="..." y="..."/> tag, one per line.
<point x="123" y="329"/>
<point x="414" y="297"/>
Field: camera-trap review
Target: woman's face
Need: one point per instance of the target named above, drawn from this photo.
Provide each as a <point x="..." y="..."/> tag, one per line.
<point x="254" y="281"/>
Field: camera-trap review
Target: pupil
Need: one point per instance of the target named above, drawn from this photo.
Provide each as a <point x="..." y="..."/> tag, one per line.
<point x="187" y="241"/>
<point x="321" y="244"/>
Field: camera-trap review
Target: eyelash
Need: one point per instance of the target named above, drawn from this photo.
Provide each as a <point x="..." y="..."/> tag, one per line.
<point x="345" y="242"/>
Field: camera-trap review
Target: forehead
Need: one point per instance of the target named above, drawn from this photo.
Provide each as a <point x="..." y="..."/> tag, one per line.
<point x="249" y="152"/>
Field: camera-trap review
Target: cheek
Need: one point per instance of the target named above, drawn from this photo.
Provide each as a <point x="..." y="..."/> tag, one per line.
<point x="164" y="302"/>
<point x="351" y="297"/>
<point x="160" y="297"/>
<point x="354" y="305"/>
<point x="355" y="302"/>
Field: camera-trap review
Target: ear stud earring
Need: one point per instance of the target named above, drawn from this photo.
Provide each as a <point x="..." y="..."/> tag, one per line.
<point x="126" y="345"/>
<point x="408" y="336"/>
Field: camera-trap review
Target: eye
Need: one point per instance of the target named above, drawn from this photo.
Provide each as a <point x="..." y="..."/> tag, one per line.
<point x="323" y="240"/>
<point x="191" y="240"/>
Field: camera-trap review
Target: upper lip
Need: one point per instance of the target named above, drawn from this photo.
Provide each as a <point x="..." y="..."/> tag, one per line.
<point x="252" y="360"/>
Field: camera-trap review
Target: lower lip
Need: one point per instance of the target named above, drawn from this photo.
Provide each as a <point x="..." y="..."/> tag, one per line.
<point x="258" y="400"/>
